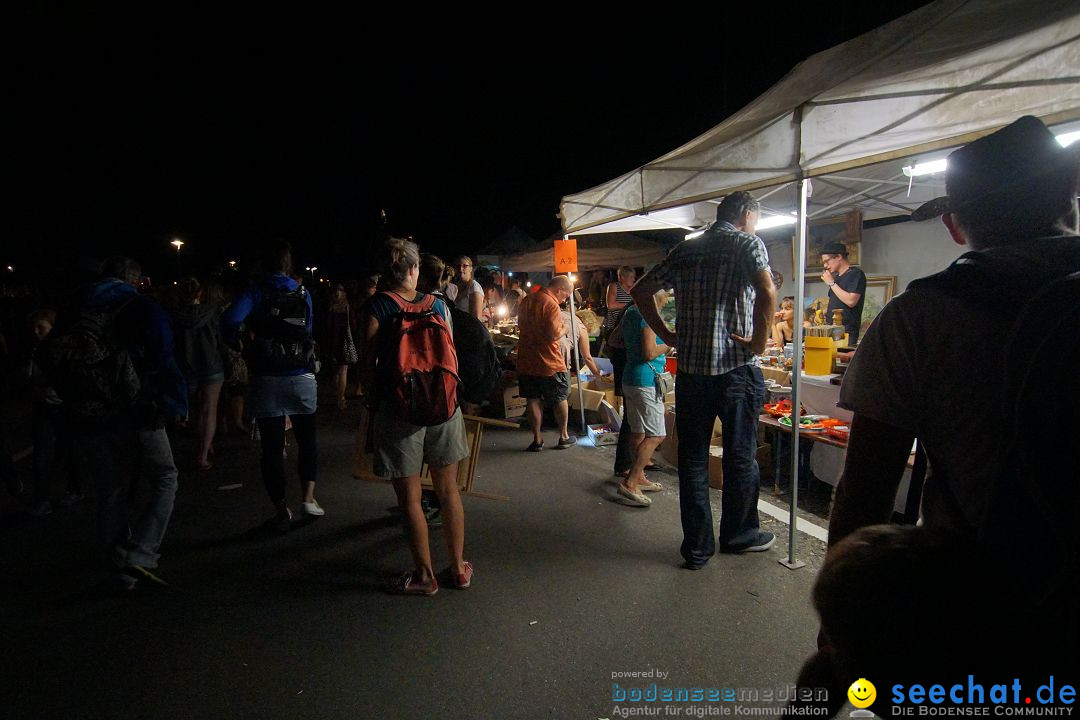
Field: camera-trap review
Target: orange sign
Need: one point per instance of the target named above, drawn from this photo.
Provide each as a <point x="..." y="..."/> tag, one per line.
<point x="566" y="256"/>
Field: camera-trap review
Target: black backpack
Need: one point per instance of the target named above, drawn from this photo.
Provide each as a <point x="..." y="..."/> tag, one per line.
<point x="89" y="365"/>
<point x="478" y="361"/>
<point x="1031" y="527"/>
<point x="283" y="339"/>
<point x="1032" y="523"/>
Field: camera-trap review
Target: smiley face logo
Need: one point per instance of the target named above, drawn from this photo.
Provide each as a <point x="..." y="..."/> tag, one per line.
<point x="862" y="693"/>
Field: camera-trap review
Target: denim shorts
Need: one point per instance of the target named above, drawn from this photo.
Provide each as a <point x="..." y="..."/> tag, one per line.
<point x="276" y="395"/>
<point x="553" y="388"/>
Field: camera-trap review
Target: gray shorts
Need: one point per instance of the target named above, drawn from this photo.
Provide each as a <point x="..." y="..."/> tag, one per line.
<point x="644" y="411"/>
<point x="401" y="449"/>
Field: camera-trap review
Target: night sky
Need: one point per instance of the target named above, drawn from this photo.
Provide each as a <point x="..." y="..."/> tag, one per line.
<point x="225" y="131"/>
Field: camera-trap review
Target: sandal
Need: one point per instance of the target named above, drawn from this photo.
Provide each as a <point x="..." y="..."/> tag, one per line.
<point x="407" y="584"/>
<point x="637" y="499"/>
<point x="463" y="580"/>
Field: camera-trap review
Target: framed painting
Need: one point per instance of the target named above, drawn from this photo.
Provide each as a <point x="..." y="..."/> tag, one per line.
<point x="879" y="291"/>
<point x="842" y="228"/>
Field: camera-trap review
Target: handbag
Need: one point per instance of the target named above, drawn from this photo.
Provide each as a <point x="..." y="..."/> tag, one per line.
<point x="665" y="382"/>
<point x="349" y="355"/>
<point x="613" y="338"/>
<point x="348" y="352"/>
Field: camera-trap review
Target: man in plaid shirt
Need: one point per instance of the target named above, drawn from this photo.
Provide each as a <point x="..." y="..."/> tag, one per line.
<point x="725" y="296"/>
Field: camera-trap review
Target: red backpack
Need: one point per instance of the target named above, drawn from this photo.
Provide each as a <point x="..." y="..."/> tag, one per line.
<point x="419" y="364"/>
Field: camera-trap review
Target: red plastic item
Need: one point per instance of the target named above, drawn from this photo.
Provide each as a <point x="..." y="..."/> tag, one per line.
<point x="840" y="432"/>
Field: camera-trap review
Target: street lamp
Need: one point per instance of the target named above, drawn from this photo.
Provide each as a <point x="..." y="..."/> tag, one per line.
<point x="232" y="264"/>
<point x="312" y="270"/>
<point x="177" y="243"/>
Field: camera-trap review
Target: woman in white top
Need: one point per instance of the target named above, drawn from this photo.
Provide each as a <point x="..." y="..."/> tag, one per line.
<point x="466" y="293"/>
<point x="567" y="345"/>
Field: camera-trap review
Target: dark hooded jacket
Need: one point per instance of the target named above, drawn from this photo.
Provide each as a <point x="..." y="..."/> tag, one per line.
<point x="147" y="333"/>
<point x="199" y="342"/>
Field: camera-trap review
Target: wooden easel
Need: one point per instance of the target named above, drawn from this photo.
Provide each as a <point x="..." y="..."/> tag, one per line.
<point x="363" y="462"/>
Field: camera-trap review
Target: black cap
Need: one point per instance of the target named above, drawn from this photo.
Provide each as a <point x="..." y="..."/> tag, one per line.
<point x="1012" y="164"/>
<point x="834" y="248"/>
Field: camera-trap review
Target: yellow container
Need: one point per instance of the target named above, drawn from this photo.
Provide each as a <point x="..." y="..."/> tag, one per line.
<point x="819" y="352"/>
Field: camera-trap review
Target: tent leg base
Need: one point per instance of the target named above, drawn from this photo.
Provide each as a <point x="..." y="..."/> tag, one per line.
<point x="792" y="564"/>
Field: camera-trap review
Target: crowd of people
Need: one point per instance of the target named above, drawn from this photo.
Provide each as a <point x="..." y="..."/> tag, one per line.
<point x="119" y="365"/>
<point x="114" y="366"/>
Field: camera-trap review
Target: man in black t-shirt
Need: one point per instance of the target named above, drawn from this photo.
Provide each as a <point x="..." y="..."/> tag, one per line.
<point x="847" y="288"/>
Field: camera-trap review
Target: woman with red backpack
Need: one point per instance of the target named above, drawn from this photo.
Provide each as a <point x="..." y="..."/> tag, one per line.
<point x="408" y="356"/>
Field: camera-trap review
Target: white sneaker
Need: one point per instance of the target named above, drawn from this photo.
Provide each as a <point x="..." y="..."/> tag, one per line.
<point x="313" y="508"/>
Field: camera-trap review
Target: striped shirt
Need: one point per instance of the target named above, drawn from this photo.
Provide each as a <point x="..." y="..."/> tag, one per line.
<point x="622" y="296"/>
<point x="711" y="276"/>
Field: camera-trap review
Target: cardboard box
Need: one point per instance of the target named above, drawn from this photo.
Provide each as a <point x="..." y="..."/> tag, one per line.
<point x="716" y="464"/>
<point x="513" y="404"/>
<point x="819" y="352"/>
<point x="592" y="398"/>
<point x="605" y="390"/>
<point x="765" y="462"/>
<point x="602" y="437"/>
<point x="776" y="374"/>
<point x="609" y="415"/>
<point x="669" y="449"/>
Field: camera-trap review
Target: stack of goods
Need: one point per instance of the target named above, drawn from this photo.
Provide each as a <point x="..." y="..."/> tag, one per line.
<point x="590" y="320"/>
<point x="830" y="331"/>
<point x="833" y="427"/>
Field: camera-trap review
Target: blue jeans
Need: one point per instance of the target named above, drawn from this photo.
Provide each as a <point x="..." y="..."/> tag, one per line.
<point x="116" y="459"/>
<point x="736" y="398"/>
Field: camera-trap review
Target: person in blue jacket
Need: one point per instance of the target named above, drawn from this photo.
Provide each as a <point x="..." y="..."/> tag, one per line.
<point x="276" y="310"/>
<point x="124" y="438"/>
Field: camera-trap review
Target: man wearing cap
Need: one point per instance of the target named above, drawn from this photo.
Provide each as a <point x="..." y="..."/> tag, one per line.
<point x="931" y="365"/>
<point x="939" y="364"/>
<point x="847" y="288"/>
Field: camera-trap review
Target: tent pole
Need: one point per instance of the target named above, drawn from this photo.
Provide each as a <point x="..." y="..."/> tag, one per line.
<point x="575" y="371"/>
<point x="799" y="268"/>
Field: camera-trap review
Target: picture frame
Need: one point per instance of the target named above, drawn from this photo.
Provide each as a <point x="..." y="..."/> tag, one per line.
<point x="845" y="228"/>
<point x="879" y="291"/>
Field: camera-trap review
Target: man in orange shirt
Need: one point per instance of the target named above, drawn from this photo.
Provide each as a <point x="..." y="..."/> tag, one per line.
<point x="541" y="369"/>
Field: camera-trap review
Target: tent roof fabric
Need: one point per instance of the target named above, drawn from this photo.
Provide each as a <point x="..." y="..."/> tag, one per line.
<point x="595" y="252"/>
<point x="513" y="240"/>
<point x="937" y="77"/>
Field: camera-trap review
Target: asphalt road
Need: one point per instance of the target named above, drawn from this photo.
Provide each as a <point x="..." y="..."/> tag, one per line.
<point x="571" y="588"/>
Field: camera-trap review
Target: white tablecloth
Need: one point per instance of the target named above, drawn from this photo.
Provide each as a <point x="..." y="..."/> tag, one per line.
<point x="819" y="397"/>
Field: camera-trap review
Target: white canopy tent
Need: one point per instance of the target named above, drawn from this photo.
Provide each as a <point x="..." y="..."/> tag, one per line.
<point x="939" y="77"/>
<point x="611" y="249"/>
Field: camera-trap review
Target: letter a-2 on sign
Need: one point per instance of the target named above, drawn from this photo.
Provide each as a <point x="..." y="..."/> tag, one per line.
<point x="566" y="256"/>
